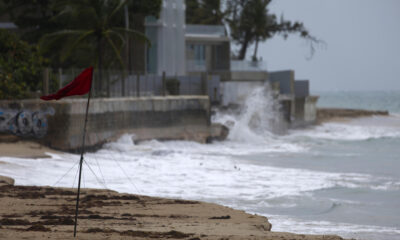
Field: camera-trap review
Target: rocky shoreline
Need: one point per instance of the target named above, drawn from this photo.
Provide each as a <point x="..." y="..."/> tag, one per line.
<point x="339" y="114"/>
<point x="31" y="212"/>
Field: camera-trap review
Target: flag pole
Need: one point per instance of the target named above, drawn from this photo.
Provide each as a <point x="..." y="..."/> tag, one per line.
<point x="81" y="160"/>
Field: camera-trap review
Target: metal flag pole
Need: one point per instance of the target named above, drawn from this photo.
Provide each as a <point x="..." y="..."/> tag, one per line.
<point x="81" y="160"/>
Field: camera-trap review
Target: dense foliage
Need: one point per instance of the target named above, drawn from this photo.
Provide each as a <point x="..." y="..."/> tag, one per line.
<point x="208" y="12"/>
<point x="70" y="33"/>
<point x="21" y="67"/>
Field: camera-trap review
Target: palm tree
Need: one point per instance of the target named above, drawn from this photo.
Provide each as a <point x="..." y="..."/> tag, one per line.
<point x="91" y="24"/>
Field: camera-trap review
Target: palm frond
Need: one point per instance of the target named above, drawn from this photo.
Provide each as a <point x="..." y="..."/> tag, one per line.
<point x="120" y="5"/>
<point x="49" y="38"/>
<point x="116" y="51"/>
<point x="115" y="33"/>
<point x="66" y="53"/>
<point x="134" y="33"/>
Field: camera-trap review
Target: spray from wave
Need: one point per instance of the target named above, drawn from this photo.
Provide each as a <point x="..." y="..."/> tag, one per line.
<point x="256" y="119"/>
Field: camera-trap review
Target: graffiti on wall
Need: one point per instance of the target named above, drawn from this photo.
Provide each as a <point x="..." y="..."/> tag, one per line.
<point x="25" y="123"/>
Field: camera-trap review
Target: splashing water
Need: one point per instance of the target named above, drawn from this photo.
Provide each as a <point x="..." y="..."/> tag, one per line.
<point x="256" y="119"/>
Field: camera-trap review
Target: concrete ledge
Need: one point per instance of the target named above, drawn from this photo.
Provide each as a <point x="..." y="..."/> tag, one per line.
<point x="172" y="117"/>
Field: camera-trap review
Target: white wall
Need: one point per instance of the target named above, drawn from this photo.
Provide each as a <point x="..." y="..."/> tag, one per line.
<point x="171" y="38"/>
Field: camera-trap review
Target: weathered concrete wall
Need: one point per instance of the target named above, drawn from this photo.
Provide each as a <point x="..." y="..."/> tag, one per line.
<point x="310" y="109"/>
<point x="173" y="117"/>
<point x="305" y="111"/>
<point x="285" y="80"/>
<point x="301" y="88"/>
<point x="249" y="76"/>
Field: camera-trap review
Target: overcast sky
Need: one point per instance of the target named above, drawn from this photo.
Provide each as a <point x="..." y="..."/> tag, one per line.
<point x="363" y="44"/>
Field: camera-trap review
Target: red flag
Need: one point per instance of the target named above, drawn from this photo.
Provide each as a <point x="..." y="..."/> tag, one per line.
<point x="80" y="86"/>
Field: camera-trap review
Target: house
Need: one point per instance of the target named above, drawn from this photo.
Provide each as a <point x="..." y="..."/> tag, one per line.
<point x="204" y="50"/>
<point x="167" y="37"/>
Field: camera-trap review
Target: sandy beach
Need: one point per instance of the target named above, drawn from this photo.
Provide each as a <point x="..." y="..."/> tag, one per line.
<point x="31" y="212"/>
<point x="24" y="149"/>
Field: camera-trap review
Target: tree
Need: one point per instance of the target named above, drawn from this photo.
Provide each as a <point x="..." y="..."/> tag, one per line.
<point x="208" y="12"/>
<point x="33" y="17"/>
<point x="21" y="67"/>
<point x="95" y="26"/>
<point x="192" y="7"/>
<point x="40" y="17"/>
<point x="249" y="21"/>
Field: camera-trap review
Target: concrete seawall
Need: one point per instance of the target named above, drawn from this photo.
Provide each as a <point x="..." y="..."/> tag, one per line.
<point x="172" y="117"/>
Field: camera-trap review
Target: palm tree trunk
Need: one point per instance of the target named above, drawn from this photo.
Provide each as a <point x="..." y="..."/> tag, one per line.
<point x="100" y="52"/>
<point x="243" y="50"/>
<point x="100" y="65"/>
<point x="245" y="45"/>
<point x="255" y="50"/>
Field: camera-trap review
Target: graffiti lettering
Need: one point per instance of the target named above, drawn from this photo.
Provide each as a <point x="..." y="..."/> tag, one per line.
<point x="24" y="123"/>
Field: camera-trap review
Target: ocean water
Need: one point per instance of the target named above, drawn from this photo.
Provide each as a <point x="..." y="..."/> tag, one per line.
<point x="337" y="178"/>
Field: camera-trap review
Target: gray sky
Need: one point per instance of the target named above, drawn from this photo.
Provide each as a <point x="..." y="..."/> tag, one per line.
<point x="363" y="44"/>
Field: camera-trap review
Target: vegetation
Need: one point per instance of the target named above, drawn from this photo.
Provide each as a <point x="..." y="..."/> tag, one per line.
<point x="21" y="67"/>
<point x="250" y="22"/>
<point x="172" y="85"/>
<point x="76" y="33"/>
<point x="208" y="12"/>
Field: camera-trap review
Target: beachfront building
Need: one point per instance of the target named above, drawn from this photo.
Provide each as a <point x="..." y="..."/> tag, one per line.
<point x="179" y="49"/>
<point x="167" y="36"/>
<point x="207" y="49"/>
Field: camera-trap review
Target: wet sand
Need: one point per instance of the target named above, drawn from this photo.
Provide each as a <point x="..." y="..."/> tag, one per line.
<point x="24" y="149"/>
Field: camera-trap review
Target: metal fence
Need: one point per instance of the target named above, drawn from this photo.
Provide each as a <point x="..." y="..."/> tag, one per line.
<point x="116" y="83"/>
<point x="244" y="65"/>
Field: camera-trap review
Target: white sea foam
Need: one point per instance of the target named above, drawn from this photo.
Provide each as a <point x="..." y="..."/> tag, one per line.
<point x="185" y="169"/>
<point x="290" y="224"/>
<point x="355" y="130"/>
<point x="179" y="169"/>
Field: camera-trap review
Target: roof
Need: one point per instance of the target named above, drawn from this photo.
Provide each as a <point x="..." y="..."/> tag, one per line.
<point x="206" y="32"/>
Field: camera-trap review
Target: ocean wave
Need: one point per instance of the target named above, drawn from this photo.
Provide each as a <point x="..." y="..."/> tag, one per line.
<point x="189" y="169"/>
<point x="209" y="172"/>
<point x="301" y="226"/>
<point x="349" y="131"/>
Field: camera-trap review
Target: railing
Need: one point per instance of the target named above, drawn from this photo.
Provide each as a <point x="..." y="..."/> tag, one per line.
<point x="214" y="30"/>
<point x="116" y="83"/>
<point x="245" y="65"/>
<point x="196" y="65"/>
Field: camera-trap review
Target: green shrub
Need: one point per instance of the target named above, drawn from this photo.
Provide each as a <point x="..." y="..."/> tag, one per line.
<point x="20" y="67"/>
<point x="172" y="86"/>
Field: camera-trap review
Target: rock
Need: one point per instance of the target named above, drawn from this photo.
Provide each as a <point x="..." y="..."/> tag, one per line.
<point x="6" y="181"/>
<point x="218" y="132"/>
<point x="327" y="114"/>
